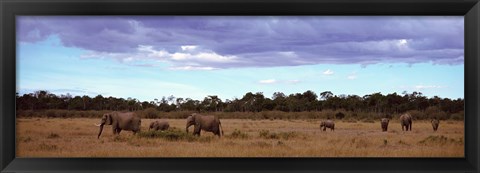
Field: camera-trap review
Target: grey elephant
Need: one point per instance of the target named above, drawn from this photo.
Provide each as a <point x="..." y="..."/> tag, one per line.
<point x="435" y="122"/>
<point x="406" y="121"/>
<point x="327" y="124"/>
<point x="159" y="125"/>
<point x="384" y="123"/>
<point x="120" y="121"/>
<point x="206" y="123"/>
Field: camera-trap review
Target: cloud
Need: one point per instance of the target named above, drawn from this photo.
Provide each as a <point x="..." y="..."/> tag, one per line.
<point x="352" y="76"/>
<point x="267" y="81"/>
<point x="62" y="91"/>
<point x="252" y="41"/>
<point x="190" y="47"/>
<point x="293" y="81"/>
<point x="182" y="60"/>
<point x="421" y="87"/>
<point x="274" y="81"/>
<point x="190" y="68"/>
<point x="328" y="72"/>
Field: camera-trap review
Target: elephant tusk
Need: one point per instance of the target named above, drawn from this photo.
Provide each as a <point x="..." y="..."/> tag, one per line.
<point x="98" y="125"/>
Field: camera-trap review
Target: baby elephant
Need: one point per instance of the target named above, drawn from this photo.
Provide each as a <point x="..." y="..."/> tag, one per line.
<point x="159" y="125"/>
<point x="435" y="122"/>
<point x="327" y="124"/>
<point x="384" y="123"/>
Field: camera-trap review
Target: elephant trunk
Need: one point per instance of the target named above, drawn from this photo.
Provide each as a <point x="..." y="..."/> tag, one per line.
<point x="100" y="133"/>
<point x="188" y="125"/>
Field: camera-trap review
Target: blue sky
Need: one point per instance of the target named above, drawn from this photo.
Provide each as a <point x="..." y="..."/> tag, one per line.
<point x="192" y="57"/>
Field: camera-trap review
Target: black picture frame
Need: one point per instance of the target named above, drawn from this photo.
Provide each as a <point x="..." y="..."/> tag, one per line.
<point x="10" y="8"/>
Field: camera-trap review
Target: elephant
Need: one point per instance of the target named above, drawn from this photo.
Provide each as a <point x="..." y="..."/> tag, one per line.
<point x="327" y="124"/>
<point x="435" y="122"/>
<point x="384" y="123"/>
<point x="206" y="123"/>
<point x="406" y="121"/>
<point x="159" y="125"/>
<point x="120" y="121"/>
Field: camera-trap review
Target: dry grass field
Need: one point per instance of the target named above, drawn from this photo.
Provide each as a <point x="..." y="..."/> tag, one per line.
<point x="77" y="137"/>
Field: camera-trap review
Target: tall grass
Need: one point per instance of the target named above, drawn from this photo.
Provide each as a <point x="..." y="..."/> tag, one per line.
<point x="49" y="137"/>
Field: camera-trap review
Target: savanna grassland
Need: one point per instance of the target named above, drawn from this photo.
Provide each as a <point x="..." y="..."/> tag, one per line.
<point x="77" y="137"/>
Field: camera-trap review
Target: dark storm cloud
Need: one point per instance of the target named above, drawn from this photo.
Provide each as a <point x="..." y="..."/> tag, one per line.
<point x="229" y="42"/>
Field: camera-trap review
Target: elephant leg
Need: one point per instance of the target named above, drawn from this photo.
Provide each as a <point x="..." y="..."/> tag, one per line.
<point x="118" y="131"/>
<point x="196" y="130"/>
<point x="114" y="130"/>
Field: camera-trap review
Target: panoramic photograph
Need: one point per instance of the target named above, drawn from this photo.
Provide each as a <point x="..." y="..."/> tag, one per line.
<point x="240" y="86"/>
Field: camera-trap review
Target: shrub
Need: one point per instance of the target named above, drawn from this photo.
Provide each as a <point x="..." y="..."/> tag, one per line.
<point x="150" y="113"/>
<point x="339" y="115"/>
<point x="261" y="144"/>
<point x="349" y="120"/>
<point x="434" y="112"/>
<point x="416" y="115"/>
<point x="457" y="116"/>
<point x="368" y="120"/>
<point x="237" y="134"/>
<point x="288" y="135"/>
<point x="271" y="135"/>
<point x="47" y="147"/>
<point x="440" y="140"/>
<point x="62" y="113"/>
<point x="53" y="136"/>
<point x="169" y="135"/>
<point x="51" y="113"/>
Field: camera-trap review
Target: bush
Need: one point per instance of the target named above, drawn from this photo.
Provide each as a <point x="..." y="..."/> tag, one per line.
<point x="237" y="134"/>
<point x="271" y="135"/>
<point x="51" y="113"/>
<point x="150" y="113"/>
<point x="47" y="147"/>
<point x="457" y="116"/>
<point x="440" y="140"/>
<point x="416" y="115"/>
<point x="169" y="135"/>
<point x="263" y="133"/>
<point x="62" y="113"/>
<point x="368" y="120"/>
<point x="434" y="112"/>
<point x="339" y="115"/>
<point x="53" y="136"/>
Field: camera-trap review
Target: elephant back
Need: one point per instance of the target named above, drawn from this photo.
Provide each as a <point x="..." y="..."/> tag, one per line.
<point x="129" y="121"/>
<point x="329" y="123"/>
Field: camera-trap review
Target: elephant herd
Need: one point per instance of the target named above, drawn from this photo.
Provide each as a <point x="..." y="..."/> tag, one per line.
<point x="405" y="122"/>
<point x="128" y="121"/>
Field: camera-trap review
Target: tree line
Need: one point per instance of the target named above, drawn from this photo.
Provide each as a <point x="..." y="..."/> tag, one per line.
<point x="251" y="102"/>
